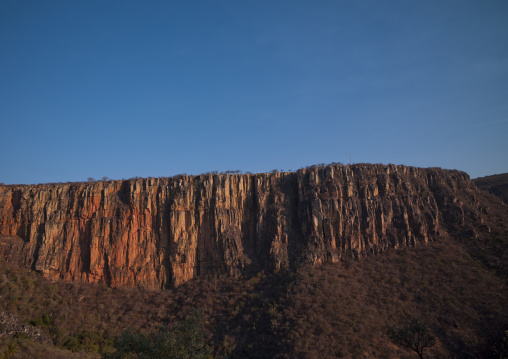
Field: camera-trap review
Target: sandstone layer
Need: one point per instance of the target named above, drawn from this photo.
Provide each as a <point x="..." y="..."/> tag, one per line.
<point x="160" y="232"/>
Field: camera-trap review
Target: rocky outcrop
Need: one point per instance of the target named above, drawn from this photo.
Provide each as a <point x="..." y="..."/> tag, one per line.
<point x="11" y="326"/>
<point x="159" y="232"/>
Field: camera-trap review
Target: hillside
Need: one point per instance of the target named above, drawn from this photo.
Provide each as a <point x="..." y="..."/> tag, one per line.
<point x="495" y="184"/>
<point x="328" y="311"/>
<point x="444" y="261"/>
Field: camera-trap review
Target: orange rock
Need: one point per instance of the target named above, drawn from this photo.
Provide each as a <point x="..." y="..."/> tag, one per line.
<point x="159" y="232"/>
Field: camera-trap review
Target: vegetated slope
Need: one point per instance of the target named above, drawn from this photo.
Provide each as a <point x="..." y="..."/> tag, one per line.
<point x="456" y="284"/>
<point x="160" y="232"/>
<point x="87" y="317"/>
<point x="327" y="311"/>
<point x="335" y="313"/>
<point x="495" y="184"/>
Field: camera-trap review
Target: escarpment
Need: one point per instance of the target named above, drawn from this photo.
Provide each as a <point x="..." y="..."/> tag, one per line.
<point x="159" y="232"/>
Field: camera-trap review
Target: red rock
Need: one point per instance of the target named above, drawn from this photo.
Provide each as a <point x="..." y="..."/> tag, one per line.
<point x="159" y="232"/>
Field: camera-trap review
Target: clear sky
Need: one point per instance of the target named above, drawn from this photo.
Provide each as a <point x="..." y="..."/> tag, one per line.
<point x="156" y="88"/>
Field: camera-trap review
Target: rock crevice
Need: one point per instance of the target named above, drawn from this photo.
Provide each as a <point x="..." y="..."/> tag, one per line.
<point x="160" y="232"/>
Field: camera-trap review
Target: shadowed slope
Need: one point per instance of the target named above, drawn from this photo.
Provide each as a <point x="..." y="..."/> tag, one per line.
<point x="495" y="184"/>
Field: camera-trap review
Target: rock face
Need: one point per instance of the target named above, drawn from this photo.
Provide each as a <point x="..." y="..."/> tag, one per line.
<point x="159" y="232"/>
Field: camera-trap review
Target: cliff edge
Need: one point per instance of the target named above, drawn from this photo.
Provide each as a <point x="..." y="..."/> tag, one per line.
<point x="160" y="232"/>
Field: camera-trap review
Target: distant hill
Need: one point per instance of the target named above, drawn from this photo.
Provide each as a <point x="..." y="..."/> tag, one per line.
<point x="495" y="184"/>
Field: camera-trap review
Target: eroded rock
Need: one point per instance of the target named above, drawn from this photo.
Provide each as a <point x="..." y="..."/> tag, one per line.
<point x="159" y="232"/>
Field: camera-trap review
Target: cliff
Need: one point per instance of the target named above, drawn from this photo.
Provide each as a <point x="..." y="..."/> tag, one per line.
<point x="159" y="232"/>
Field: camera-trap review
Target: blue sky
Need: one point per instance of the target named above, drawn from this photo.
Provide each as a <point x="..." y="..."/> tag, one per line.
<point x="156" y="88"/>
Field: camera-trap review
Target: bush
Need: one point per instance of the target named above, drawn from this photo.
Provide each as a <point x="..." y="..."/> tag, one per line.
<point x="186" y="341"/>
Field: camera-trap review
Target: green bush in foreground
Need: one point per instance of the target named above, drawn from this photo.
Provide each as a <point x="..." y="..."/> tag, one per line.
<point x="186" y="341"/>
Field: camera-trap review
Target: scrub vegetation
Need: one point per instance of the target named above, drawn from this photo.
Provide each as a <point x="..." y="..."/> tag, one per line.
<point x="343" y="310"/>
<point x="446" y="299"/>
